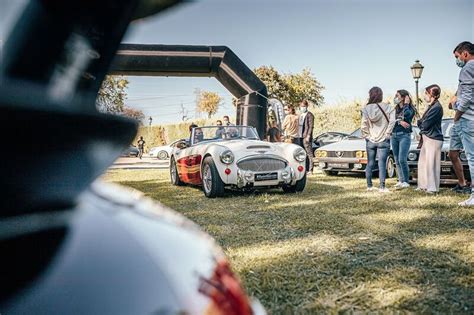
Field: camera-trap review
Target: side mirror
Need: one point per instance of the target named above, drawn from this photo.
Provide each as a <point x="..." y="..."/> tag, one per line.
<point x="182" y="145"/>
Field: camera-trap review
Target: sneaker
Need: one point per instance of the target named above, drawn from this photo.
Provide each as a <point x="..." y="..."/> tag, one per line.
<point x="398" y="185"/>
<point x="419" y="189"/>
<point x="405" y="185"/>
<point x="461" y="189"/>
<point x="384" y="190"/>
<point x="467" y="203"/>
<point x="370" y="188"/>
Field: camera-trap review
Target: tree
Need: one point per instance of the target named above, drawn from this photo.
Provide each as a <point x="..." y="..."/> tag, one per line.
<point x="208" y="102"/>
<point x="112" y="95"/>
<point x="291" y="88"/>
<point x="303" y="86"/>
<point x="134" y="114"/>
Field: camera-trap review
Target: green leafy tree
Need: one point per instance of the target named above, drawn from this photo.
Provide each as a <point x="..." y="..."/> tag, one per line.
<point x="303" y="86"/>
<point x="291" y="88"/>
<point x="208" y="102"/>
<point x="112" y="95"/>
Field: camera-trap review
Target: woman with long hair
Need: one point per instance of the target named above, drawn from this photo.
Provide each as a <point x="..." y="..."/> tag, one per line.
<point x="378" y="120"/>
<point x="401" y="140"/>
<point x="429" y="163"/>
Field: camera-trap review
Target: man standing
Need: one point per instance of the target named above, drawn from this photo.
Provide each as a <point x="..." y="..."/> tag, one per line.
<point x="141" y="147"/>
<point x="305" y="133"/>
<point x="464" y="116"/>
<point x="455" y="147"/>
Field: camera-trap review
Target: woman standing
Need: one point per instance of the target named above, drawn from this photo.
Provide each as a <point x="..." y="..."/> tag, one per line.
<point x="378" y="120"/>
<point x="401" y="140"/>
<point x="290" y="125"/>
<point x="429" y="164"/>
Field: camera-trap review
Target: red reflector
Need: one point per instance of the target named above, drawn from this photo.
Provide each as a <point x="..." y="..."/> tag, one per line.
<point x="300" y="168"/>
<point x="227" y="171"/>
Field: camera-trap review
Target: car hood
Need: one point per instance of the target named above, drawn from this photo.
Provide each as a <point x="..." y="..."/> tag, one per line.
<point x="243" y="148"/>
<point x="345" y="145"/>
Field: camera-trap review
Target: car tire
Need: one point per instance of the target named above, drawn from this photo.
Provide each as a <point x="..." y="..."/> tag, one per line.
<point x="391" y="167"/>
<point x="331" y="173"/>
<point x="297" y="187"/>
<point x="174" y="175"/>
<point x="212" y="184"/>
<point x="162" y="155"/>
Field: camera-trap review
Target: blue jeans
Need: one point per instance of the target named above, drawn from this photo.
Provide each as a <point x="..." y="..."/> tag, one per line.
<point x="401" y="146"/>
<point x="377" y="151"/>
<point x="465" y="128"/>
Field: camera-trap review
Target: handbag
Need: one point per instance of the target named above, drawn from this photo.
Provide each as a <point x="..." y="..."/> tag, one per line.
<point x="420" y="143"/>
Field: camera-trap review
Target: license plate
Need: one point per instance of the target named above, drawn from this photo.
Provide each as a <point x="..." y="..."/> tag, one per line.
<point x="339" y="165"/>
<point x="266" y="176"/>
<point x="446" y="169"/>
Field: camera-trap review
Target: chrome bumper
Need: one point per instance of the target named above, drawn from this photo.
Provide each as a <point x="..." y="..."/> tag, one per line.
<point x="284" y="176"/>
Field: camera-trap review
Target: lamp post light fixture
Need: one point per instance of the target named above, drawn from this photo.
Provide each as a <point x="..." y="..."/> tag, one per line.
<point x="416" y="71"/>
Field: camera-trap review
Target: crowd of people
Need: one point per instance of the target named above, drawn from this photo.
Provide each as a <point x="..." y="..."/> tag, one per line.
<point x="385" y="127"/>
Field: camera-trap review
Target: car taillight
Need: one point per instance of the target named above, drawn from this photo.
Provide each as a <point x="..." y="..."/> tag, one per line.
<point x="225" y="291"/>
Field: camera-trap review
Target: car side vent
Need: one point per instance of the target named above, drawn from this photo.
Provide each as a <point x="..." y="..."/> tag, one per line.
<point x="253" y="147"/>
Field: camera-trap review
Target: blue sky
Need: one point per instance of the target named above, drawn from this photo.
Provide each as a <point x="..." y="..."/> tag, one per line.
<point x="350" y="45"/>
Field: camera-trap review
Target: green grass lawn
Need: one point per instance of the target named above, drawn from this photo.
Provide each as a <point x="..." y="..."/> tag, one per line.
<point x="335" y="247"/>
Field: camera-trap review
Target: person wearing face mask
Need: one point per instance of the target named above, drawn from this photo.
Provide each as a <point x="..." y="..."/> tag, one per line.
<point x="227" y="121"/>
<point x="305" y="133"/>
<point x="464" y="106"/>
<point x="429" y="163"/>
<point x="401" y="140"/>
<point x="378" y="120"/>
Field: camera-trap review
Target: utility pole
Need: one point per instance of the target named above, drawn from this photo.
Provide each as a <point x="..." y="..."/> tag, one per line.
<point x="184" y="113"/>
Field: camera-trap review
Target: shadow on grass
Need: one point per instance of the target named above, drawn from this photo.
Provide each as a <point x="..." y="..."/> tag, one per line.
<point x="335" y="248"/>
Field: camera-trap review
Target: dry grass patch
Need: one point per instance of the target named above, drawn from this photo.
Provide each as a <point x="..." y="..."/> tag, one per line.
<point x="335" y="247"/>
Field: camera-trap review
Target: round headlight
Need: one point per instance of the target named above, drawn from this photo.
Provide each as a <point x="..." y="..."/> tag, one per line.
<point x="299" y="155"/>
<point x="324" y="153"/>
<point x="463" y="156"/>
<point x="412" y="156"/>
<point x="227" y="157"/>
<point x="359" y="154"/>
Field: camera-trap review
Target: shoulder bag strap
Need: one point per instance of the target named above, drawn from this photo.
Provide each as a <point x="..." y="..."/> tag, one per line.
<point x="384" y="113"/>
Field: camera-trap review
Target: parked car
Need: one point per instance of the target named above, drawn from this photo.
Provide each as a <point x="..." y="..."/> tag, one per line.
<point x="131" y="151"/>
<point x="348" y="155"/>
<point x="163" y="152"/>
<point x="328" y="138"/>
<point x="447" y="171"/>
<point x="235" y="157"/>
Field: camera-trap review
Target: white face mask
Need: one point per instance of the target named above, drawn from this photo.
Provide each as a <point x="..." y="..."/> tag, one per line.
<point x="303" y="109"/>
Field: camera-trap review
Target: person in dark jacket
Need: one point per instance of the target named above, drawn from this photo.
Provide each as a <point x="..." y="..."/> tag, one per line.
<point x="429" y="163"/>
<point x="401" y="140"/>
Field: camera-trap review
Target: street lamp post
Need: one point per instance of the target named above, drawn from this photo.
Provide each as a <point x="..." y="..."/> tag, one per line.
<point x="416" y="71"/>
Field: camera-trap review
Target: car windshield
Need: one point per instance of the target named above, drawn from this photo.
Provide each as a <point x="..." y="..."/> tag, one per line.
<point x="446" y="127"/>
<point x="219" y="133"/>
<point x="355" y="134"/>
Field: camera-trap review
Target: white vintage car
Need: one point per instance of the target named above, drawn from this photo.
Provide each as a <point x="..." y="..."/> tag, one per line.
<point x="163" y="152"/>
<point x="234" y="157"/>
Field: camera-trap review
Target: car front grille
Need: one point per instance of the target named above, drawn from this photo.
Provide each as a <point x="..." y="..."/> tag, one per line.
<point x="261" y="165"/>
<point x="341" y="154"/>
